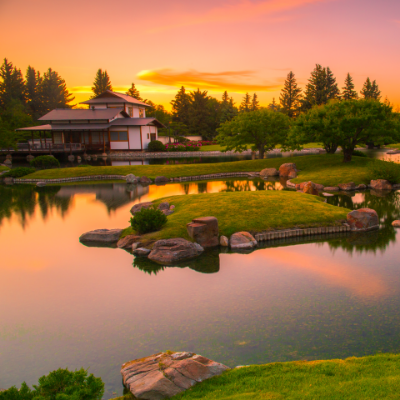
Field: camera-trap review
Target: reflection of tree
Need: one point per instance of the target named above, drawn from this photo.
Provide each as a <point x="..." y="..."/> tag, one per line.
<point x="147" y="266"/>
<point x="186" y="187"/>
<point x="202" y="187"/>
<point x="237" y="186"/>
<point x="48" y="199"/>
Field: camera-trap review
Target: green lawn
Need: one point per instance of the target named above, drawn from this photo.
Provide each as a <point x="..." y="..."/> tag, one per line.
<point x="217" y="147"/>
<point x="393" y="146"/>
<point x="2" y="168"/>
<point x="366" y="378"/>
<point x="326" y="169"/>
<point x="247" y="211"/>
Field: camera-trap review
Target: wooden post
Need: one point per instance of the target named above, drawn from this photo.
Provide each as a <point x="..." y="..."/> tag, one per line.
<point x="33" y="142"/>
<point x="104" y="144"/>
<point x="40" y="137"/>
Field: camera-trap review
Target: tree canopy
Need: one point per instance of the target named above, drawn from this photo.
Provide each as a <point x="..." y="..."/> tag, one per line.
<point x="133" y="92"/>
<point x="101" y="83"/>
<point x="263" y="128"/>
<point x="370" y="90"/>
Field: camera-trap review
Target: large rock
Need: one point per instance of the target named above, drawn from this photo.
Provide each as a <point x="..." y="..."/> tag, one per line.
<point x="269" y="172"/>
<point x="243" y="241"/>
<point x="8" y="181"/>
<point x="204" y="231"/>
<point x="396" y="223"/>
<point x="381" y="184"/>
<point x="141" y="251"/>
<point x="161" y="179"/>
<point x="164" y="375"/>
<point x="131" y="179"/>
<point x="364" y="219"/>
<point x="163" y="206"/>
<point x="127" y="241"/>
<point x="170" y="251"/>
<point x="288" y="170"/>
<point x="41" y="184"/>
<point x="102" y="236"/>
<point x="310" y="188"/>
<point x="137" y="207"/>
<point x="316" y="186"/>
<point x="224" y="241"/>
<point x="347" y="186"/>
<point x="144" y="180"/>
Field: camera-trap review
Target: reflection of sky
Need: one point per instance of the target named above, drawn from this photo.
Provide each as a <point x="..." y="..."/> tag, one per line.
<point x="64" y="304"/>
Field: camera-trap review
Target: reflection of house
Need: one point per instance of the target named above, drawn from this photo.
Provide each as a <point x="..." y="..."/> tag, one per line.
<point x="114" y="121"/>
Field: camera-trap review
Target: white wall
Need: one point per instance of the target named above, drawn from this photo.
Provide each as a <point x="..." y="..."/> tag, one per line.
<point x="134" y="138"/>
<point x="119" y="145"/>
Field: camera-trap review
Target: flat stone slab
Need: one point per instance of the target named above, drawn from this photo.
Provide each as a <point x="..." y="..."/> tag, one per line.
<point x="163" y="375"/>
<point x="102" y="236"/>
<point x="127" y="241"/>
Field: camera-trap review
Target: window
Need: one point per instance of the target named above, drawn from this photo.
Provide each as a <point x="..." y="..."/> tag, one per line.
<point x="130" y="111"/>
<point x="119" y="136"/>
<point x="96" y="139"/>
<point x="148" y="136"/>
<point x="141" y="113"/>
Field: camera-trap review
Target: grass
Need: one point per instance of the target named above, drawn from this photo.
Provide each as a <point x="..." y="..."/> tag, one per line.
<point x="217" y="147"/>
<point x="2" y="168"/>
<point x="366" y="378"/>
<point x="393" y="146"/>
<point x="246" y="211"/>
<point x="326" y="169"/>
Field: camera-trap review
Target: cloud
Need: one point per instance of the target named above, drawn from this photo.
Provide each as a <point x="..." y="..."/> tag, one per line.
<point x="243" y="11"/>
<point x="232" y="81"/>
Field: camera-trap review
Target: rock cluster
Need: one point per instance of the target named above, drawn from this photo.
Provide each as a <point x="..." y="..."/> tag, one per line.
<point x="164" y="375"/>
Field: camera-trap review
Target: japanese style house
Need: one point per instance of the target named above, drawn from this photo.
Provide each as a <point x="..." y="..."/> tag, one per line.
<point x="113" y="121"/>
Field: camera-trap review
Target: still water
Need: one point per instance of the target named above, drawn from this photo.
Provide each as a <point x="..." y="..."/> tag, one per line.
<point x="66" y="305"/>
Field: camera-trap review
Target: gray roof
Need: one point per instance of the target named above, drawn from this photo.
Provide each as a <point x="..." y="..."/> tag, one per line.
<point x="76" y="114"/>
<point x="136" y="122"/>
<point x="109" y="97"/>
<point x="36" y="128"/>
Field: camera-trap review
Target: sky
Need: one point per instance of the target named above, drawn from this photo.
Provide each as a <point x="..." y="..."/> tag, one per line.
<point x="215" y="45"/>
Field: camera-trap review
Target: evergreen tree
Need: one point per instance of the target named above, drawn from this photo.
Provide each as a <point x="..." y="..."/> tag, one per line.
<point x="255" y="105"/>
<point x="245" y="105"/>
<point x="274" y="106"/>
<point x="54" y="92"/>
<point x="33" y="81"/>
<point x="12" y="85"/>
<point x="370" y="90"/>
<point x="228" y="108"/>
<point x="133" y="92"/>
<point x="348" y="89"/>
<point x="180" y="107"/>
<point x="290" y="96"/>
<point x="101" y="83"/>
<point x="332" y="90"/>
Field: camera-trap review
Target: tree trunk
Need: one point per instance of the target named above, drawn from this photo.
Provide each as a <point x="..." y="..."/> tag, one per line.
<point x="347" y="154"/>
<point x="331" y="148"/>
<point x="370" y="146"/>
<point x="261" y="151"/>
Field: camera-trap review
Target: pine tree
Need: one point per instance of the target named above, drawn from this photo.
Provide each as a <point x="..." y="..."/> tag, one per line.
<point x="133" y="92"/>
<point x="101" y="83"/>
<point x="12" y="85"/>
<point x="181" y="107"/>
<point x="370" y="90"/>
<point x="245" y="105"/>
<point x="348" y="89"/>
<point x="332" y="89"/>
<point x="290" y="96"/>
<point x="33" y="81"/>
<point x="54" y="92"/>
<point x="228" y="108"/>
<point x="274" y="106"/>
<point x="255" y="105"/>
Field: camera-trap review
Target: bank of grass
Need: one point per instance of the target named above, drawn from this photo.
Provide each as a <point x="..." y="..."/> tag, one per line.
<point x="393" y="146"/>
<point x="247" y="211"/>
<point x="326" y="169"/>
<point x="366" y="378"/>
<point x="3" y="168"/>
<point x="218" y="147"/>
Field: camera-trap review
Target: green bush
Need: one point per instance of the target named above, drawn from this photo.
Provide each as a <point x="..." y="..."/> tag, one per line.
<point x="384" y="170"/>
<point x="59" y="385"/>
<point x="18" y="172"/>
<point x="156" y="145"/>
<point x="44" y="162"/>
<point x="359" y="153"/>
<point x="148" y="220"/>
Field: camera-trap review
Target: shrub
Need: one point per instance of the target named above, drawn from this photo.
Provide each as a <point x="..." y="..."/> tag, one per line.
<point x="359" y="153"/>
<point x="43" y="162"/>
<point x="148" y="220"/>
<point x="156" y="145"/>
<point x="384" y="170"/>
<point x="61" y="384"/>
<point x="18" y="172"/>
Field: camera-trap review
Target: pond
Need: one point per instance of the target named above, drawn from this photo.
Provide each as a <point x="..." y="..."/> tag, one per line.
<point x="66" y="305"/>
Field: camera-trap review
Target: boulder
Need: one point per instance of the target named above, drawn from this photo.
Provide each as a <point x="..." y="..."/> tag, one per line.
<point x="204" y="231"/>
<point x="102" y="235"/>
<point x="288" y="170"/>
<point x="127" y="241"/>
<point x="300" y="186"/>
<point x="381" y="184"/>
<point x="347" y="186"/>
<point x="41" y="184"/>
<point x="137" y="207"/>
<point x="163" y="206"/>
<point x="269" y="172"/>
<point x="327" y="194"/>
<point x="364" y="219"/>
<point x="167" y="212"/>
<point x="170" y="251"/>
<point x="140" y="251"/>
<point x="164" y="375"/>
<point x="310" y="188"/>
<point x="361" y="187"/>
<point x="131" y="179"/>
<point x="224" y="241"/>
<point x="144" y="180"/>
<point x="172" y="207"/>
<point x="242" y="241"/>
<point x="30" y="157"/>
<point x="8" y="181"/>
<point x="7" y="162"/>
<point x="331" y="188"/>
<point x="72" y="157"/>
<point x="396" y="223"/>
<point x="161" y="179"/>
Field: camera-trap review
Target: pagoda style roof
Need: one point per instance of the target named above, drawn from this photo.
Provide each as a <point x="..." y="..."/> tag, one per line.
<point x="137" y="122"/>
<point x="66" y="114"/>
<point x="110" y="97"/>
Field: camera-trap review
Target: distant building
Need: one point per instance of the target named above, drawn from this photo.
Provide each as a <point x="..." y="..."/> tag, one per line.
<point x="114" y="121"/>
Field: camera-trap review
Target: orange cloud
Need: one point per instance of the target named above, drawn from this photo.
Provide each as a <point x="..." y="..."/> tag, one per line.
<point x="243" y="11"/>
<point x="215" y="81"/>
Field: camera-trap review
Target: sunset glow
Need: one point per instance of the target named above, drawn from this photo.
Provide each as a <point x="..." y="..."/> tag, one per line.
<point x="235" y="45"/>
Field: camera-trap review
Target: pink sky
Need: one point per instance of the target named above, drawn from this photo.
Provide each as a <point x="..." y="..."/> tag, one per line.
<point x="237" y="45"/>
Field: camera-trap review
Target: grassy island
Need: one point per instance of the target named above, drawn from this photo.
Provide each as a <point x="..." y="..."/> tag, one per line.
<point x="326" y="169"/>
<point x="247" y="211"/>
